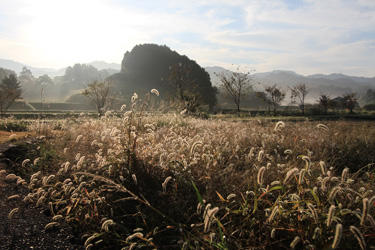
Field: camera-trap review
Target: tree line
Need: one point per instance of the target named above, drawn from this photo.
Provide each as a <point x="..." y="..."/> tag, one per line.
<point x="182" y="84"/>
<point x="237" y="85"/>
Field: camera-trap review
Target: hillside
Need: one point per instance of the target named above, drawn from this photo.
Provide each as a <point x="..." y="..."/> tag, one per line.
<point x="149" y="66"/>
<point x="332" y="84"/>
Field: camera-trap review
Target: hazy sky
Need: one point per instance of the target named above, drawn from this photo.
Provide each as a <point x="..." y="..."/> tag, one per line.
<point x="306" y="36"/>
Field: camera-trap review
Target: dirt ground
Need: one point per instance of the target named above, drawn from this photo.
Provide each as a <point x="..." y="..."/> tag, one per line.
<point x="25" y="230"/>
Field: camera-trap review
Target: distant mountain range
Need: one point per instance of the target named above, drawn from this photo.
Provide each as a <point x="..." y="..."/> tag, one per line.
<point x="17" y="67"/>
<point x="332" y="84"/>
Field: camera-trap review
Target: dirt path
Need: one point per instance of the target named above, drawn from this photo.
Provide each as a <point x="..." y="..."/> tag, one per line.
<point x="25" y="230"/>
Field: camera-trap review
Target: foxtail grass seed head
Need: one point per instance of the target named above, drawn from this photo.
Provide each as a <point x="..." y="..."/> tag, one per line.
<point x="13" y="197"/>
<point x="12" y="212"/>
<point x="322" y="126"/>
<point x="251" y="153"/>
<point x="134" y="177"/>
<point x="273" y="233"/>
<point x="359" y="236"/>
<point x="307" y="161"/>
<point x="301" y="176"/>
<point x="279" y="126"/>
<point x="134" y="98"/>
<point x="365" y="205"/>
<point x="78" y="156"/>
<point x="231" y="196"/>
<point x="106" y="224"/>
<point x="210" y="214"/>
<point x="313" y="211"/>
<point x="155" y="92"/>
<point x="323" y="167"/>
<point x="51" y="225"/>
<point x="11" y="177"/>
<point x="295" y="242"/>
<point x="208" y="206"/>
<point x="194" y="146"/>
<point x="91" y="238"/>
<point x="165" y="183"/>
<point x="317" y="233"/>
<point x="330" y="215"/>
<point x="79" y="137"/>
<point x="288" y="152"/>
<point x="333" y="193"/>
<point x="273" y="214"/>
<point x="25" y="162"/>
<point x="36" y="160"/>
<point x="123" y="107"/>
<point x="289" y="175"/>
<point x="260" y="155"/>
<point x="260" y="175"/>
<point x="57" y="217"/>
<point x="134" y="235"/>
<point x="344" y="174"/>
<point x="274" y="183"/>
<point x="338" y="235"/>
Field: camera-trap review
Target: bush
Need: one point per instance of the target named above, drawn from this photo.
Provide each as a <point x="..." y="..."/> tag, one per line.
<point x="15" y="126"/>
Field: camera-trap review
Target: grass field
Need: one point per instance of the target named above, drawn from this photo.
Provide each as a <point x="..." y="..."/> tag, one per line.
<point x="175" y="182"/>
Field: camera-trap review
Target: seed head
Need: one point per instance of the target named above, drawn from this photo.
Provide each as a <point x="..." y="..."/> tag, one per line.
<point x="260" y="175"/>
<point x="155" y="92"/>
<point x="338" y="234"/>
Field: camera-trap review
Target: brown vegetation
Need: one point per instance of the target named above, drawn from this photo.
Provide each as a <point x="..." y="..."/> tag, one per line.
<point x="169" y="181"/>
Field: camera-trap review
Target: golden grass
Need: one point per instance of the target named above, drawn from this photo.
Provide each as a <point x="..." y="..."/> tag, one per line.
<point x="6" y="136"/>
<point x="178" y="182"/>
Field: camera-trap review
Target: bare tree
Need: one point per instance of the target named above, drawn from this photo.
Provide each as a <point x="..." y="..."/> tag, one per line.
<point x="10" y="90"/>
<point x="236" y="85"/>
<point x="99" y="93"/>
<point x="298" y="95"/>
<point x="274" y="96"/>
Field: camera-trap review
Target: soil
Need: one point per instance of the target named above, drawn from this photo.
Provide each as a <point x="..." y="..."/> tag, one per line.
<point x="25" y="230"/>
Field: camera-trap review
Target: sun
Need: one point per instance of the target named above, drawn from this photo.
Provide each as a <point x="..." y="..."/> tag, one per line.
<point x="66" y="32"/>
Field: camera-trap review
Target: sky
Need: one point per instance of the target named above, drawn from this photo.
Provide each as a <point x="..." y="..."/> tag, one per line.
<point x="305" y="36"/>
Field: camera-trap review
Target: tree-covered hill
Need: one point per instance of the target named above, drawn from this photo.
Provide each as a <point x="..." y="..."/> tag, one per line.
<point x="149" y="66"/>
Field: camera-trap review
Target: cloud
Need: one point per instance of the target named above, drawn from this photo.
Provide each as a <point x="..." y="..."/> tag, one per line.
<point x="307" y="36"/>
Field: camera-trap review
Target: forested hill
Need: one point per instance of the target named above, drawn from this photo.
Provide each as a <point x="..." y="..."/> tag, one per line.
<point x="149" y="66"/>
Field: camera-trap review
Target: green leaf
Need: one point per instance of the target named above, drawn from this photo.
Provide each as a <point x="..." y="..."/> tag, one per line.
<point x="255" y="205"/>
<point x="199" y="196"/>
<point x="275" y="188"/>
<point x="316" y="198"/>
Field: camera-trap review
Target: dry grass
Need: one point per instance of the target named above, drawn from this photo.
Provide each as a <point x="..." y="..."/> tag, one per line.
<point x="178" y="182"/>
<point x="6" y="136"/>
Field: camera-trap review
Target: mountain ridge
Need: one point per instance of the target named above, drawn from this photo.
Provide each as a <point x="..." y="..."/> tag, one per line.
<point x="334" y="84"/>
<point x="52" y="72"/>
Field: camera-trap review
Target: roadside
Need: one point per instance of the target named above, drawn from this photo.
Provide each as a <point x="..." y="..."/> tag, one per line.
<point x="26" y="228"/>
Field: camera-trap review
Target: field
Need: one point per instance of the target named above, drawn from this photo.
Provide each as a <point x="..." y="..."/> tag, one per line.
<point x="169" y="181"/>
